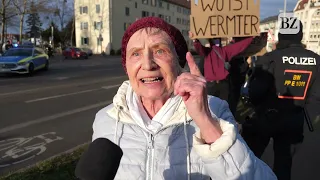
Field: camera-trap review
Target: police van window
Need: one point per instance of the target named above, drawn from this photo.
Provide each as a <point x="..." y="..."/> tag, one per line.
<point x="41" y="51"/>
<point x="36" y="52"/>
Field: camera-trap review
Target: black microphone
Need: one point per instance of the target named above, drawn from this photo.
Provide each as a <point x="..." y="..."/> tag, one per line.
<point x="100" y="162"/>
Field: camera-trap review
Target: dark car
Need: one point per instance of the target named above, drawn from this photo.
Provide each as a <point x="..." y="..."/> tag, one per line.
<point x="74" y="53"/>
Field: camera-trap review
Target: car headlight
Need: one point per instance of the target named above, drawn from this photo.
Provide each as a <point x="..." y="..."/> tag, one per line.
<point x="22" y="63"/>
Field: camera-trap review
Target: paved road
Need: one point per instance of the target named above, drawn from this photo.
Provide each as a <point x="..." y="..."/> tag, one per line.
<point x="53" y="111"/>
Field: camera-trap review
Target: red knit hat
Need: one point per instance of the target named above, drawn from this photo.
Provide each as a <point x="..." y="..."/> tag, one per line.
<point x="155" y="22"/>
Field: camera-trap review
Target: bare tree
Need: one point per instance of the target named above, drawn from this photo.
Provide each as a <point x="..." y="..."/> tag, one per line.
<point x="23" y="8"/>
<point x="63" y="11"/>
<point x="5" y="13"/>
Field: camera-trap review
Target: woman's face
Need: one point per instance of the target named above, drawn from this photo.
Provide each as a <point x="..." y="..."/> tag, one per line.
<point x="152" y="63"/>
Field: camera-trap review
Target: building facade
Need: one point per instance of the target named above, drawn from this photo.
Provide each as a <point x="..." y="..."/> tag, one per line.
<point x="100" y="24"/>
<point x="308" y="12"/>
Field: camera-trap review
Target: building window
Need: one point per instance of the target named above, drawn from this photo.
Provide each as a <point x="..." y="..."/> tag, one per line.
<point x="145" y="14"/>
<point x="178" y="9"/>
<point x="83" y="9"/>
<point x="98" y="25"/>
<point x="154" y="3"/>
<point x="186" y="11"/>
<point x="153" y="14"/>
<point x="168" y="19"/>
<point x="83" y="25"/>
<point x="126" y="25"/>
<point x="98" y="8"/>
<point x="168" y="6"/>
<point x="127" y="11"/>
<point x="160" y="4"/>
<point x="144" y="1"/>
<point x="178" y="20"/>
<point x="84" y="41"/>
<point x="161" y="16"/>
<point x="136" y="5"/>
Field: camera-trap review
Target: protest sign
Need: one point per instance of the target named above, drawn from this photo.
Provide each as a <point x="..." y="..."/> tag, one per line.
<point x="225" y="18"/>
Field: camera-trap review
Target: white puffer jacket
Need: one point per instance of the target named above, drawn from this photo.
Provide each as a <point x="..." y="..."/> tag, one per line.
<point x="176" y="151"/>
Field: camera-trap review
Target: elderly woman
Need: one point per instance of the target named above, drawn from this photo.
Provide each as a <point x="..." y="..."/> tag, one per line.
<point x="162" y="118"/>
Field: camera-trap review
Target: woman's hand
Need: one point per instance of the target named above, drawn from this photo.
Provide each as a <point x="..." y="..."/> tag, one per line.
<point x="192" y="88"/>
<point x="249" y="61"/>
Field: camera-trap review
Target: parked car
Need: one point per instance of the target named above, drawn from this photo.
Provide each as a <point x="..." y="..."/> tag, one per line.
<point x="88" y="51"/>
<point x="74" y="53"/>
<point x="22" y="60"/>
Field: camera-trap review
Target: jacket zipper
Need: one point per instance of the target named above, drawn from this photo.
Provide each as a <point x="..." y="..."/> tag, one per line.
<point x="150" y="156"/>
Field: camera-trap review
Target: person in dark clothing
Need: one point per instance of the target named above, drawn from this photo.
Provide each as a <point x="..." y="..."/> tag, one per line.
<point x="282" y="88"/>
<point x="216" y="64"/>
<point x="8" y="45"/>
<point x="238" y="70"/>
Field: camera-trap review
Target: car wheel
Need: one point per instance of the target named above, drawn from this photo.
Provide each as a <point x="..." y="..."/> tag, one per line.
<point x="86" y="57"/>
<point x="46" y="67"/>
<point x="31" y="69"/>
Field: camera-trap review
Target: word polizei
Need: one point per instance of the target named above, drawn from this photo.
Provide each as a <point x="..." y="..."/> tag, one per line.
<point x="300" y="61"/>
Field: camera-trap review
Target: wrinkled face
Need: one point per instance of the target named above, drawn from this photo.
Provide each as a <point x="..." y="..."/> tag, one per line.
<point x="152" y="63"/>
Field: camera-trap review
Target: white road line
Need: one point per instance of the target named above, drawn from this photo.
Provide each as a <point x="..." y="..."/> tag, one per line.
<point x="59" y="86"/>
<point x="61" y="95"/>
<point x="70" y="94"/>
<point x="61" y="78"/>
<point x="111" y="86"/>
<point x="53" y="117"/>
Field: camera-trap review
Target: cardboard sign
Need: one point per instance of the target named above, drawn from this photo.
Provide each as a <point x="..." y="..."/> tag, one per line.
<point x="225" y="18"/>
<point x="296" y="84"/>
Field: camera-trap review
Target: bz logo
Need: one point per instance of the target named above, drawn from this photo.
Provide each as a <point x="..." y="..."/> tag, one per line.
<point x="288" y="24"/>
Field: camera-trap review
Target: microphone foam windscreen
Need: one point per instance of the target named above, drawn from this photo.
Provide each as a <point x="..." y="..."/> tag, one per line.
<point x="100" y="161"/>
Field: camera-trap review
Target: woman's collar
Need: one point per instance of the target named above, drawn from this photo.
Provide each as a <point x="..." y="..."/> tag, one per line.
<point x="120" y="104"/>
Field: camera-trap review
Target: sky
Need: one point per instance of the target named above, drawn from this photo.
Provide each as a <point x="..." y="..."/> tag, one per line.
<point x="272" y="7"/>
<point x="267" y="8"/>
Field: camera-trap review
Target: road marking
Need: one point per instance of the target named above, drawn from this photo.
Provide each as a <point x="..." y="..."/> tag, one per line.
<point x="59" y="86"/>
<point x="61" y="78"/>
<point x="111" y="86"/>
<point x="70" y="94"/>
<point x="61" y="95"/>
<point x="53" y="117"/>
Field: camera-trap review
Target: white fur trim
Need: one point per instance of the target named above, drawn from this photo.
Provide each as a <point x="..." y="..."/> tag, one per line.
<point x="220" y="146"/>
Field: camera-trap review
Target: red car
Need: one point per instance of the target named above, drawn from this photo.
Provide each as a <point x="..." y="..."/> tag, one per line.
<point x="74" y="53"/>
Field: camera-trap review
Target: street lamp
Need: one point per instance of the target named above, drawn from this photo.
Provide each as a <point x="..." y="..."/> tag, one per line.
<point x="285" y="8"/>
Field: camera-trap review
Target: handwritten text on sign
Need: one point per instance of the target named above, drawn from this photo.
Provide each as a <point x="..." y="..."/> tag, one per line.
<point x="225" y="18"/>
